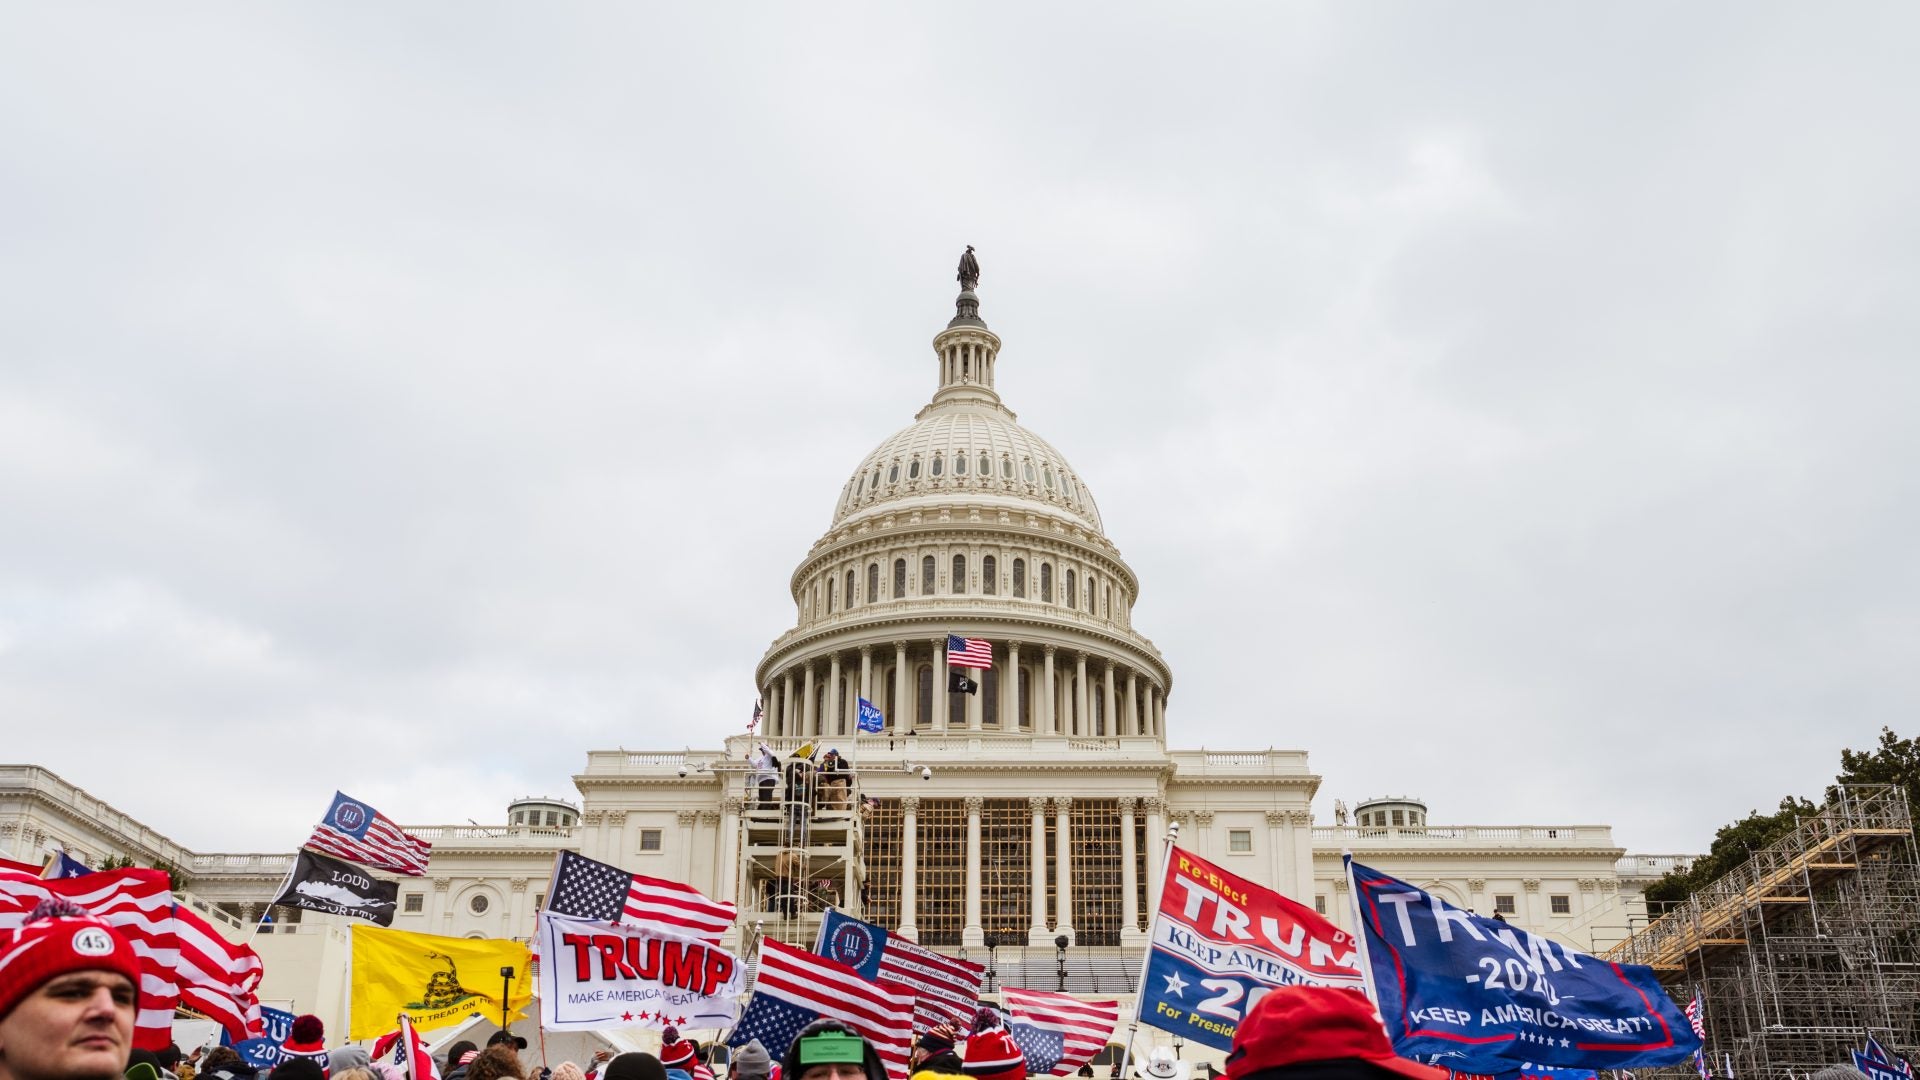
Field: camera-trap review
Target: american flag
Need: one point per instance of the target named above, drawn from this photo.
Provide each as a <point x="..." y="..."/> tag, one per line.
<point x="758" y="712"/>
<point x="794" y="988"/>
<point x="1058" y="1033"/>
<point x="1696" y="1018"/>
<point x="969" y="652"/>
<point x="404" y="1050"/>
<point x="588" y="889"/>
<point x="945" y="990"/>
<point x="354" y="831"/>
<point x="177" y="964"/>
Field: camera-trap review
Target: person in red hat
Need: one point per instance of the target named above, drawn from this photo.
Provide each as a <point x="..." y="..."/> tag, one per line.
<point x="307" y="1039"/>
<point x="991" y="1053"/>
<point x="1318" y="1033"/>
<point x="69" y="984"/>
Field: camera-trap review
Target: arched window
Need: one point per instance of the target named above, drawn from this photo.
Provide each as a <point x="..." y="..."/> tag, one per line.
<point x="859" y="484"/>
<point x="1071" y="592"/>
<point x="926" y="576"/>
<point x="1026" y="701"/>
<point x="1020" y="578"/>
<point x="1106" y="599"/>
<point x="893" y="473"/>
<point x="913" y="469"/>
<point x="820" y="717"/>
<point x="986" y="465"/>
<point x="990" y="697"/>
<point x="989" y="575"/>
<point x="832" y="595"/>
<point x="1046" y="583"/>
<point x="1029" y="473"/>
<point x="899" y="578"/>
<point x="1006" y="468"/>
<point x="1099" y="704"/>
<point x="923" y="701"/>
<point x="846" y="600"/>
<point x="938" y="463"/>
<point x="1048" y="473"/>
<point x="873" y="582"/>
<point x="873" y="483"/>
<point x="959" y="464"/>
<point x="959" y="583"/>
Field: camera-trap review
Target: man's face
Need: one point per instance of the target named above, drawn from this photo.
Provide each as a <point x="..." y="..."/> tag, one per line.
<point x="77" y="1026"/>
<point x="836" y="1071"/>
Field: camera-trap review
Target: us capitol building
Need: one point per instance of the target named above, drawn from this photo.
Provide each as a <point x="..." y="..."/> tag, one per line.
<point x="996" y="824"/>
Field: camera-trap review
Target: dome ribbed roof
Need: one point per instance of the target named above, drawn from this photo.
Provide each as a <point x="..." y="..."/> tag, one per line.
<point x="944" y="453"/>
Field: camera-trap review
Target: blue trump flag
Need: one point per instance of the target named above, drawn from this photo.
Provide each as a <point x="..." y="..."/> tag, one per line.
<point x="264" y="1052"/>
<point x="846" y="940"/>
<point x="1480" y="996"/>
<point x="871" y="719"/>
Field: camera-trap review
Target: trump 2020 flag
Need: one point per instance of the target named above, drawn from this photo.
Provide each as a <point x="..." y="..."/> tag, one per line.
<point x="1483" y="996"/>
<point x="1220" y="942"/>
<point x="871" y="719"/>
<point x="600" y="975"/>
<point x="263" y="1052"/>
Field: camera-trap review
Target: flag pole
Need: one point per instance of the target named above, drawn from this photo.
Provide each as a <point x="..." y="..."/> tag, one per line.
<point x="1360" y="930"/>
<point x="1146" y="957"/>
<point x="266" y="909"/>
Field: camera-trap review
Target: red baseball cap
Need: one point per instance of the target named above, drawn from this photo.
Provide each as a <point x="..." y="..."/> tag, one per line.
<point x="1294" y="1025"/>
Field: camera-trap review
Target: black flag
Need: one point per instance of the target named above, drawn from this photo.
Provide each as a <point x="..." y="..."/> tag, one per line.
<point x="958" y="683"/>
<point x="339" y="888"/>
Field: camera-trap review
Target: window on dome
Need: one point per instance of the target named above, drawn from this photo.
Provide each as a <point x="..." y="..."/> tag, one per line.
<point x="873" y="582"/>
<point x="1046" y="583"/>
<point x="846" y="599"/>
<point x="1020" y="578"/>
<point x="1106" y="600"/>
<point x="1048" y="474"/>
<point x="986" y="464"/>
<point x="1070" y="590"/>
<point x="873" y="482"/>
<point x="959" y="582"/>
<point x="1026" y="701"/>
<point x="1090" y="594"/>
<point x="959" y="464"/>
<point x="899" y="578"/>
<point x="926" y="576"/>
<point x="938" y="461"/>
<point x="913" y="469"/>
<point x="859" y="484"/>
<point x="990" y="697"/>
<point x="893" y="473"/>
<point x="1029" y="468"/>
<point x="923" y="699"/>
<point x="1006" y="468"/>
<point x="989" y="575"/>
<point x="832" y="595"/>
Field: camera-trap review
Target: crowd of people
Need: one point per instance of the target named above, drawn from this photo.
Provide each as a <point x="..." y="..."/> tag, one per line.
<point x="68" y="1000"/>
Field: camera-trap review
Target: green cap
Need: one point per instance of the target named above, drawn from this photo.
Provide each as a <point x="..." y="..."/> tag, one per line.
<point x="833" y="1048"/>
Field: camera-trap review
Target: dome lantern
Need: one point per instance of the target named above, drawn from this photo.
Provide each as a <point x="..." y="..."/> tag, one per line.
<point x="966" y="349"/>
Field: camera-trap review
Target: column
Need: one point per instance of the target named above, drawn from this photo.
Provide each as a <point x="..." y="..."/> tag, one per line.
<point x="1063" y="860"/>
<point x="1049" y="720"/>
<point x="1156" y="809"/>
<point x="836" y="707"/>
<point x="1082" y="697"/>
<point x="866" y="684"/>
<point x="977" y="703"/>
<point x="902" y="719"/>
<point x="1159" y="712"/>
<point x="1037" y="932"/>
<point x="1302" y="821"/>
<point x="686" y="819"/>
<point x="808" y="721"/>
<point x="1280" y="868"/>
<point x="786" y="704"/>
<point x="972" y="933"/>
<point x="1530" y="901"/>
<point x="939" y="684"/>
<point x="730" y="808"/>
<point x="1010" y="690"/>
<point x="1107" y="705"/>
<point x="1130" y="931"/>
<point x="1133" y="705"/>
<point x="909" y="863"/>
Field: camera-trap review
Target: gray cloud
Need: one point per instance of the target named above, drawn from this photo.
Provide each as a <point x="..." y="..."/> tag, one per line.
<point x="1507" y="405"/>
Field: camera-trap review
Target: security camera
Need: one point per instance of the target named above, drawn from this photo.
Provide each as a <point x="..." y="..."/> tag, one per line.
<point x="926" y="773"/>
<point x="683" y="771"/>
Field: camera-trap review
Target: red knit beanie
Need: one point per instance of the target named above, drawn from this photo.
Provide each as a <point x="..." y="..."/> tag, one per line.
<point x="992" y="1055"/>
<point x="56" y="940"/>
<point x="675" y="1052"/>
<point x="307" y="1039"/>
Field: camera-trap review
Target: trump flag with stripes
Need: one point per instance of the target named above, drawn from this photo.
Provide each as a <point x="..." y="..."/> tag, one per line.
<point x="356" y="832"/>
<point x="793" y="988"/>
<point x="588" y="889"/>
<point x="945" y="990"/>
<point x="1058" y="1033"/>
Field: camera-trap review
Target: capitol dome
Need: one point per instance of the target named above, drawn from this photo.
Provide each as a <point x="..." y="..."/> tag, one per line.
<point x="965" y="524"/>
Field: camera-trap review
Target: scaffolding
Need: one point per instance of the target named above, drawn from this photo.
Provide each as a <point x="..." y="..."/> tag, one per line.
<point x="801" y="845"/>
<point x="1805" y="950"/>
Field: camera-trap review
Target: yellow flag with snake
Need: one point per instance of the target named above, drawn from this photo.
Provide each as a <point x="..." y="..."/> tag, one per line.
<point x="436" y="980"/>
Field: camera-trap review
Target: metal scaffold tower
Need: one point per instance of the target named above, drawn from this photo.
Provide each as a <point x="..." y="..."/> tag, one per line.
<point x="1805" y="950"/>
<point x="800" y="849"/>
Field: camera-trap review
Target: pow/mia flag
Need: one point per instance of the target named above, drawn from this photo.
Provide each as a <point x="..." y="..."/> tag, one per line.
<point x="958" y="683"/>
<point x="338" y="888"/>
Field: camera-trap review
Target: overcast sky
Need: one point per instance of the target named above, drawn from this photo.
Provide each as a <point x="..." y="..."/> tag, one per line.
<point x="1511" y="405"/>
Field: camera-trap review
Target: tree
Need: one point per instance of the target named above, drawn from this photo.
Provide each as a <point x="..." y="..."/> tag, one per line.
<point x="121" y="862"/>
<point x="1894" y="761"/>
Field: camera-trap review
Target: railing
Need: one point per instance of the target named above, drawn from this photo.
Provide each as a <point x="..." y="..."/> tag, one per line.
<point x="1345" y="834"/>
<point x="433" y="833"/>
<point x="1651" y="866"/>
<point x="256" y="863"/>
<point x="125" y="830"/>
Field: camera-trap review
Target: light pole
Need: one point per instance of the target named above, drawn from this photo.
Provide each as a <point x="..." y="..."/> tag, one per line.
<point x="506" y="989"/>
<point x="992" y="943"/>
<point x="1060" y="958"/>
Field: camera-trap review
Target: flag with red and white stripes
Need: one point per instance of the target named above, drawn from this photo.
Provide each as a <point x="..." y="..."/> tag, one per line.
<point x="405" y="1050"/>
<point x="969" y="652"/>
<point x="1058" y="1033"/>
<point x="945" y="990"/>
<point x="588" y="889"/>
<point x="356" y="832"/>
<point x="182" y="960"/>
<point x="794" y="987"/>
